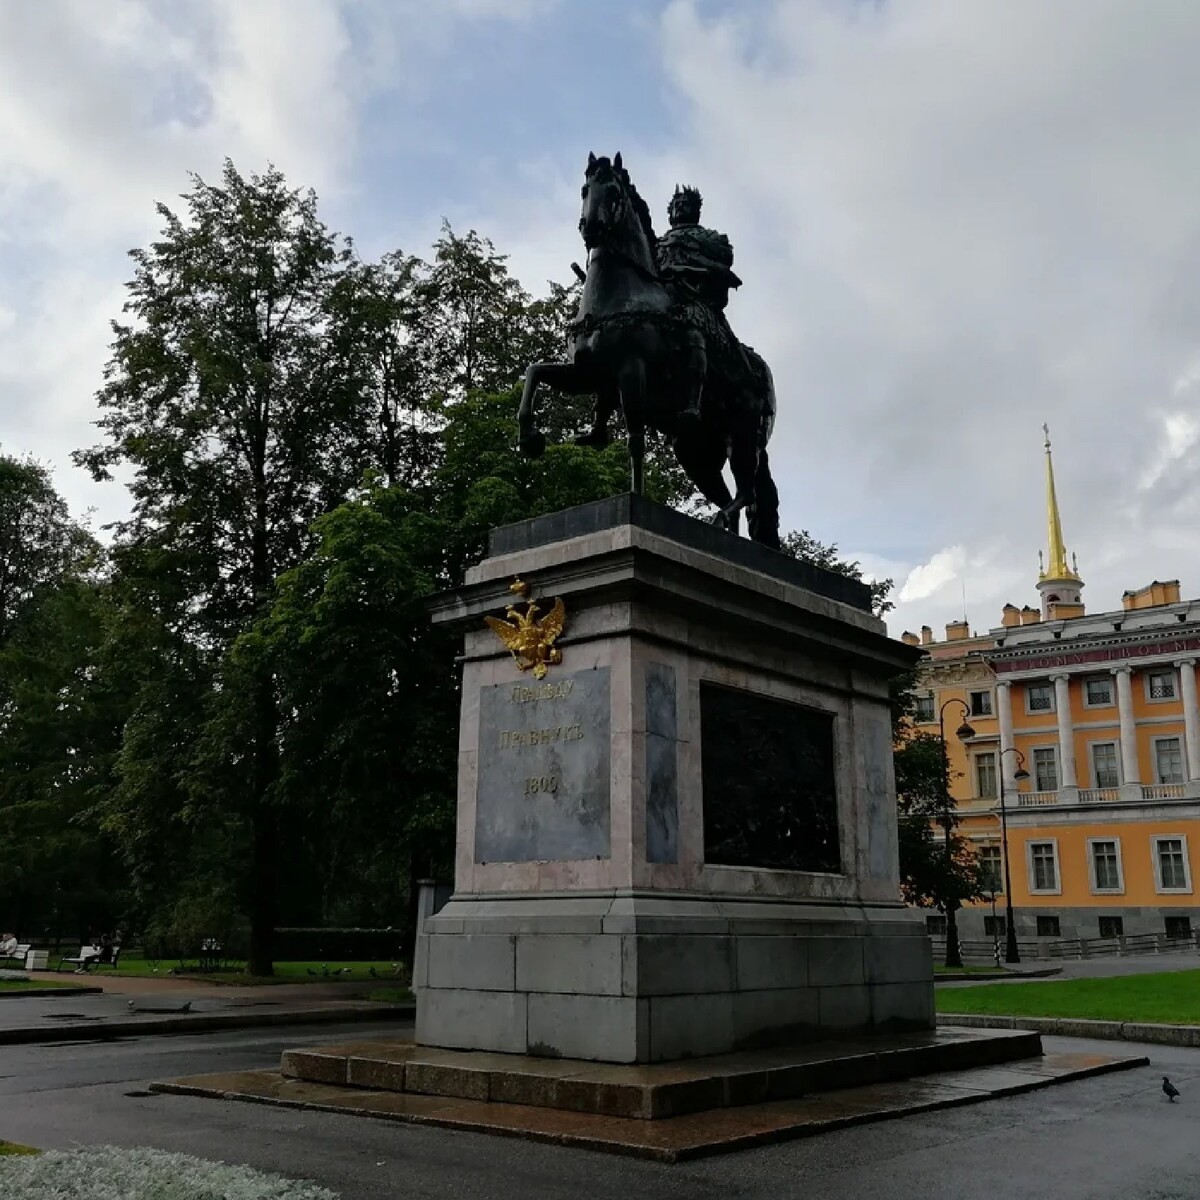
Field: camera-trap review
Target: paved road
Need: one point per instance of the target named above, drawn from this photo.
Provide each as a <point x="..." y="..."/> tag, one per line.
<point x="1100" y="1139"/>
<point x="1093" y="968"/>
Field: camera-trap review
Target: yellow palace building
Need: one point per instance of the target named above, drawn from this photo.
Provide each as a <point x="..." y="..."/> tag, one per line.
<point x="1099" y="710"/>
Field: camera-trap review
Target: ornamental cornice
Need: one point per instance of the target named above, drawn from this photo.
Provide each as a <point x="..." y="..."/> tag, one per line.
<point x="956" y="672"/>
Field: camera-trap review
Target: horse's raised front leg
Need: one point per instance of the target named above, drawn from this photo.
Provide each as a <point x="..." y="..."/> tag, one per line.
<point x="562" y="375"/>
<point x="632" y="384"/>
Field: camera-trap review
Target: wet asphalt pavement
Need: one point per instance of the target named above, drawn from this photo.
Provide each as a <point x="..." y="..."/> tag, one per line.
<point x="1108" y="1137"/>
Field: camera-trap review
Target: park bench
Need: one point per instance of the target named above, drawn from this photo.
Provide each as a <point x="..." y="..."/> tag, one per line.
<point x="211" y="954"/>
<point x="91" y="956"/>
<point x="18" y="955"/>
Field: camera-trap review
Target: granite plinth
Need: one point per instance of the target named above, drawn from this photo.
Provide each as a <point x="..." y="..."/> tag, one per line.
<point x="682" y="841"/>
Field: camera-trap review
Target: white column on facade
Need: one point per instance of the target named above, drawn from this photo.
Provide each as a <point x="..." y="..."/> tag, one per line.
<point x="1066" y="731"/>
<point x="1130" y="773"/>
<point x="1191" y="715"/>
<point x="1008" y="762"/>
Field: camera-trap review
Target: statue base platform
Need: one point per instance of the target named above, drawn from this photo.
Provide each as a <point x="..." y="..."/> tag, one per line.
<point x="682" y="840"/>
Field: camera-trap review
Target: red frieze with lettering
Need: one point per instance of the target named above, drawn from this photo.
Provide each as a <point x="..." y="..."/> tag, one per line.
<point x="1103" y="654"/>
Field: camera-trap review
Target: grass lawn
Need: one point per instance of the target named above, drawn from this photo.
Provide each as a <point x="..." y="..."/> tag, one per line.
<point x="136" y="964"/>
<point x="13" y="1148"/>
<point x="1171" y="998"/>
<point x="25" y="985"/>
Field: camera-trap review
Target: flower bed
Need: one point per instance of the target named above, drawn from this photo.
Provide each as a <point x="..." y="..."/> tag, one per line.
<point x="110" y="1173"/>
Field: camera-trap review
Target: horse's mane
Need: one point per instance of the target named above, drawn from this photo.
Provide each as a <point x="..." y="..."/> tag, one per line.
<point x="639" y="205"/>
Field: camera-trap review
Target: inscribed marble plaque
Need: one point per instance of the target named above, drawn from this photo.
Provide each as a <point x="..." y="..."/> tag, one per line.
<point x="543" y="783"/>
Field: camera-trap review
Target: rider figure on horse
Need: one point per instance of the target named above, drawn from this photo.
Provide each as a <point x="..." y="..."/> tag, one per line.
<point x="696" y="264"/>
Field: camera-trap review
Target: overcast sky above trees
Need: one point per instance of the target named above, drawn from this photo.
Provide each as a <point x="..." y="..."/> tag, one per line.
<point x="955" y="220"/>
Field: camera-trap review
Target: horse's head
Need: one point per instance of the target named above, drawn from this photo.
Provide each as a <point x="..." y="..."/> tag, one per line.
<point x="611" y="204"/>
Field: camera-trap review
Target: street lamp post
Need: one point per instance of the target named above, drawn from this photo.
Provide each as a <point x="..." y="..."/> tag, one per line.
<point x="953" y="951"/>
<point x="991" y="895"/>
<point x="1011" y="954"/>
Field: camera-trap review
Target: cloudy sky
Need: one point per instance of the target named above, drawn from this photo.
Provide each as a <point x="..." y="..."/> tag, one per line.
<point x="955" y="220"/>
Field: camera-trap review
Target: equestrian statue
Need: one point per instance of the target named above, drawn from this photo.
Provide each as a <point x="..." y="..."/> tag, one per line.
<point x="651" y="338"/>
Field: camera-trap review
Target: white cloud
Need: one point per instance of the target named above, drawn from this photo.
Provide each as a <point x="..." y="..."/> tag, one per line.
<point x="927" y="579"/>
<point x="957" y="221"/>
<point x="106" y="108"/>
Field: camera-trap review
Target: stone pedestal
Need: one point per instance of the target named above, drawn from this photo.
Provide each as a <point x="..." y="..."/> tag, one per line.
<point x="681" y="841"/>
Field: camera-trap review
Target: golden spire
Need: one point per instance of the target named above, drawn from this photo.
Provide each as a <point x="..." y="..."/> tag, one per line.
<point x="1056" y="564"/>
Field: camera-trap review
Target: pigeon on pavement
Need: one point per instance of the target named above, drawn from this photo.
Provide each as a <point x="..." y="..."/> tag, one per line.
<point x="1170" y="1090"/>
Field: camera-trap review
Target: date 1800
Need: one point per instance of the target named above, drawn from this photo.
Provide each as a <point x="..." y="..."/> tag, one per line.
<point x="538" y="784"/>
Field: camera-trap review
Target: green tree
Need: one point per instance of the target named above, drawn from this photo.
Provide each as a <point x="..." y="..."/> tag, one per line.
<point x="801" y="544"/>
<point x="59" y="717"/>
<point x="227" y="397"/>
<point x="937" y="865"/>
<point x="39" y="542"/>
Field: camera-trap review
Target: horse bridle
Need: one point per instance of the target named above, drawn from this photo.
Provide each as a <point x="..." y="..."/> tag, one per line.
<point x="604" y="242"/>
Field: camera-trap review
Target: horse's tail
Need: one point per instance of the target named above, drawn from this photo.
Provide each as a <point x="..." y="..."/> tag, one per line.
<point x="767" y="424"/>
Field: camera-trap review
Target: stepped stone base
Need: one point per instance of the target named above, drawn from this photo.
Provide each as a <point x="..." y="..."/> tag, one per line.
<point x="665" y="1112"/>
<point x="661" y="1090"/>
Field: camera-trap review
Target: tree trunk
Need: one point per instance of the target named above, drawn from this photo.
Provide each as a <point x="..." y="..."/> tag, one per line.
<point x="262" y="896"/>
<point x="264" y="881"/>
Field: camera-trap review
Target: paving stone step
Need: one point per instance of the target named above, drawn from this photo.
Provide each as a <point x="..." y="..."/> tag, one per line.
<point x="660" y="1090"/>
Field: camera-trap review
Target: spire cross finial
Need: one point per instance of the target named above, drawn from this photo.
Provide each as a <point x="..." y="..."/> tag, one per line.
<point x="1046" y="431"/>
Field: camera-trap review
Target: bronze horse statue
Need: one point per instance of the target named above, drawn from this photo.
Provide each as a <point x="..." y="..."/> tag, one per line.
<point x="633" y="346"/>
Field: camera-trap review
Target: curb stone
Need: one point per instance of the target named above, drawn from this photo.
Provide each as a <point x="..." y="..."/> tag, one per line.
<point x="202" y="1023"/>
<point x="1115" y="1031"/>
<point x="1007" y="976"/>
<point x="46" y="993"/>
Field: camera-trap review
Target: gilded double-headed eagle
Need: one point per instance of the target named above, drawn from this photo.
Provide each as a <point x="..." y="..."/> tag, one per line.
<point x="530" y="640"/>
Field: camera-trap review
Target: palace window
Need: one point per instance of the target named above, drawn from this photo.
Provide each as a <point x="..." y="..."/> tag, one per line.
<point x="935" y="926"/>
<point x="1171" y="865"/>
<point x="1104" y="764"/>
<point x="1043" y="867"/>
<point x="1097" y="693"/>
<point x="981" y="704"/>
<point x="990" y="869"/>
<point x="985" y="775"/>
<point x="1112" y="927"/>
<point x="1106" y="865"/>
<point x="1039" y="697"/>
<point x="1178" y="927"/>
<point x="994" y="926"/>
<point x="1049" y="927"/>
<point x="1045" y="769"/>
<point x="1160" y="685"/>
<point x="925" y="713"/>
<point x="1168" y="760"/>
